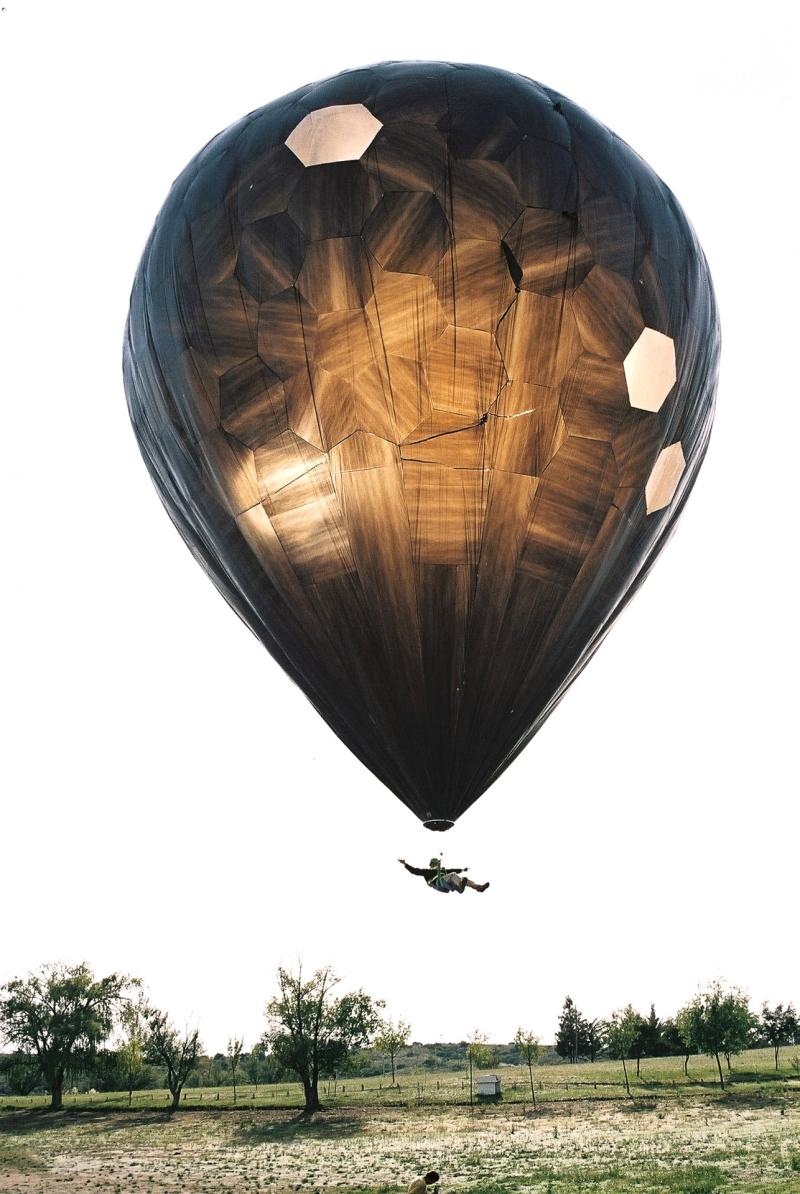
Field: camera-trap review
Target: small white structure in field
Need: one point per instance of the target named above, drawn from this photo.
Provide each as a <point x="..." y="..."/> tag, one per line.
<point x="489" y="1086"/>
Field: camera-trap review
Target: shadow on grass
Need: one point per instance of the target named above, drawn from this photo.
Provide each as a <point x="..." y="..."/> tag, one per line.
<point x="28" y="1123"/>
<point x="325" y="1125"/>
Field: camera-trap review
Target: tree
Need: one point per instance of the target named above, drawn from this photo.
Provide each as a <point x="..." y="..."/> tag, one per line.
<point x="61" y="1014"/>
<point x="478" y="1054"/>
<point x="131" y="1049"/>
<point x="21" y="1072"/>
<point x="623" y="1030"/>
<point x="689" y="1027"/>
<point x="779" y="1026"/>
<point x="235" y="1046"/>
<point x="717" y="1021"/>
<point x="311" y="1032"/>
<point x="165" y="1046"/>
<point x="529" y="1048"/>
<point x="639" y="1047"/>
<point x="258" y="1067"/>
<point x="674" y="1043"/>
<point x="572" y="1032"/>
<point x="652" y="1034"/>
<point x="391" y="1039"/>
<point x="595" y="1037"/>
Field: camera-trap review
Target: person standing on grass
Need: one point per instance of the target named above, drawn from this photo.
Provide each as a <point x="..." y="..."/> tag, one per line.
<point x="442" y="878"/>
<point x="421" y="1185"/>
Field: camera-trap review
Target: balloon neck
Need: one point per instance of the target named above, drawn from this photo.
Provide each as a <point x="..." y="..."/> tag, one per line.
<point x="439" y="825"/>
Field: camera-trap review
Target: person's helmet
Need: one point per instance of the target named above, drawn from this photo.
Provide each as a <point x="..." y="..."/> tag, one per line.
<point x="435" y="862"/>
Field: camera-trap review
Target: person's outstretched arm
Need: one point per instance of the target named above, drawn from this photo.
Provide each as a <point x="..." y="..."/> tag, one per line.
<point x="415" y="870"/>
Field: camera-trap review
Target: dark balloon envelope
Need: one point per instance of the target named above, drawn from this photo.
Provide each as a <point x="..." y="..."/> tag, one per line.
<point x="422" y="362"/>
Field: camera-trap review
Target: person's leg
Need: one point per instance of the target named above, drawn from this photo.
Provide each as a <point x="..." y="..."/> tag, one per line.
<point x="475" y="886"/>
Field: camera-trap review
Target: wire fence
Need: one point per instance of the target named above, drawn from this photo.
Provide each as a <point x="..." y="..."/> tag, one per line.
<point x="403" y="1093"/>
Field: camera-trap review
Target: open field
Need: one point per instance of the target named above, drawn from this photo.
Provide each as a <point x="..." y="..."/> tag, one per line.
<point x="662" y="1076"/>
<point x="674" y="1135"/>
<point x="697" y="1145"/>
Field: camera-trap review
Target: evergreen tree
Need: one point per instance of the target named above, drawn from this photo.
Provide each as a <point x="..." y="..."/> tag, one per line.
<point x="572" y="1038"/>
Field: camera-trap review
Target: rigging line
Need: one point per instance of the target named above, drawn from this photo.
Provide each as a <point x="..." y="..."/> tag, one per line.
<point x="453" y="431"/>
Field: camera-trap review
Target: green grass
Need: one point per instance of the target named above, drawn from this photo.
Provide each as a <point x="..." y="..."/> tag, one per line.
<point x="660" y="1077"/>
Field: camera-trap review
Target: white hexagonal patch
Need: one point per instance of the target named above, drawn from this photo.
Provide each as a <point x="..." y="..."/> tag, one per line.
<point x="650" y="370"/>
<point x="340" y="133"/>
<point x="663" y="480"/>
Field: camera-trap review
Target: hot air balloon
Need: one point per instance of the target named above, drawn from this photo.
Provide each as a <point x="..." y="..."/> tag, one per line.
<point x="422" y="360"/>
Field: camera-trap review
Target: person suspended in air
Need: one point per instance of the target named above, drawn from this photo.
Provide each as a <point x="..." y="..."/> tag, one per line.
<point x="442" y="878"/>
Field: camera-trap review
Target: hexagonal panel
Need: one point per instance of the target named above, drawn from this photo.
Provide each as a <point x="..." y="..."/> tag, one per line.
<point x="334" y="200"/>
<point x="282" y="460"/>
<point x="484" y="200"/>
<point x="335" y="274"/>
<point x="477" y="131"/>
<point x="544" y="174"/>
<point x="252" y="403"/>
<point x="474" y="284"/>
<point x="340" y="133"/>
<point x="407" y="232"/>
<point x="607" y="313"/>
<point x="270" y="256"/>
<point x="406" y="314"/>
<point x="408" y="156"/>
<point x="443" y="439"/>
<point x="465" y="372"/>
<point x="553" y="255"/>
<point x="650" y="370"/>
<point x="594" y="398"/>
<point x="572" y="500"/>
<point x="538" y="338"/>
<point x="347" y="343"/>
<point x="663" y="480"/>
<point x="610" y="229"/>
<point x="286" y="331"/>
<point x="526" y="442"/>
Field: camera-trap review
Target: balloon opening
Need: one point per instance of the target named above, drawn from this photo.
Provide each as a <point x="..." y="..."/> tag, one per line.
<point x="439" y="826"/>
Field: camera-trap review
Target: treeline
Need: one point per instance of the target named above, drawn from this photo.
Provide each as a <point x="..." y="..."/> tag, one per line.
<point x="717" y="1022"/>
<point x="65" y="1028"/>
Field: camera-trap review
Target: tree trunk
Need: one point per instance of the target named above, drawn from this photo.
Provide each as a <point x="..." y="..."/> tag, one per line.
<point x="625" y="1072"/>
<point x="176" y="1098"/>
<point x="686" y="1065"/>
<point x="470" y="1082"/>
<point x="392" y="1057"/>
<point x="638" y="1064"/>
<point x="311" y="1094"/>
<point x="728" y="1062"/>
<point x="533" y="1092"/>
<point x="719" y="1067"/>
<point x="777" y="1047"/>
<point x="57" y="1091"/>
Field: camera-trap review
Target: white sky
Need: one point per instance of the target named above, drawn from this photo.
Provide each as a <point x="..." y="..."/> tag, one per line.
<point x="163" y="811"/>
